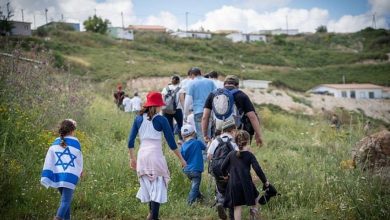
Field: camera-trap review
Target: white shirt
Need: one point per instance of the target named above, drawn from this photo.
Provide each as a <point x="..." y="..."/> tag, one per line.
<point x="127" y="104"/>
<point x="218" y="83"/>
<point x="136" y="103"/>
<point x="191" y="120"/>
<point x="214" y="144"/>
<point x="173" y="87"/>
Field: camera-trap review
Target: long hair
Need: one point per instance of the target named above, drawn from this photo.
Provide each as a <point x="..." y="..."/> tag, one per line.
<point x="66" y="127"/>
<point x="242" y="139"/>
<point x="150" y="111"/>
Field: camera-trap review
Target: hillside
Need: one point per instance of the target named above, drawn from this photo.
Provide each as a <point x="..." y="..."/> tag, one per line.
<point x="297" y="62"/>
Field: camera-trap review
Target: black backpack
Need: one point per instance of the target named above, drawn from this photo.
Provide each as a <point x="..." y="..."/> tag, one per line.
<point x="220" y="153"/>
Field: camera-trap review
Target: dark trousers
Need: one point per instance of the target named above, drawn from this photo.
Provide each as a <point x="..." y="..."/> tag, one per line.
<point x="178" y="116"/>
<point x="221" y="191"/>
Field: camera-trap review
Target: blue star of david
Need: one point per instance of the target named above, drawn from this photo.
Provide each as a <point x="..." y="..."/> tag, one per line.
<point x="61" y="163"/>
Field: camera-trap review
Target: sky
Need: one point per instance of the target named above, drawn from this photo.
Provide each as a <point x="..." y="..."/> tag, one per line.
<point x="242" y="15"/>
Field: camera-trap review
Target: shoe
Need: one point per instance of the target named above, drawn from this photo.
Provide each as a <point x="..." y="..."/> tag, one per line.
<point x="253" y="213"/>
<point x="221" y="211"/>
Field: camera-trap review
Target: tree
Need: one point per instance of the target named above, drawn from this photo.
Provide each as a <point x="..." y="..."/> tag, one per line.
<point x="321" y="29"/>
<point x="96" y="24"/>
<point x="5" y="23"/>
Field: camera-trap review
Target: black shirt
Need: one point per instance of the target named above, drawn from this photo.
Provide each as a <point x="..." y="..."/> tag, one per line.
<point x="241" y="100"/>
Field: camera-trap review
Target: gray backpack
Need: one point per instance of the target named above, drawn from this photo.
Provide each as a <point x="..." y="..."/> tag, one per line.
<point x="170" y="101"/>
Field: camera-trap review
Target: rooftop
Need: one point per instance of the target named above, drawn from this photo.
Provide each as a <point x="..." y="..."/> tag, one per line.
<point x="353" y="86"/>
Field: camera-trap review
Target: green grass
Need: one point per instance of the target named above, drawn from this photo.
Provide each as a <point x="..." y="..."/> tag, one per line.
<point x="302" y="155"/>
<point x="299" y="62"/>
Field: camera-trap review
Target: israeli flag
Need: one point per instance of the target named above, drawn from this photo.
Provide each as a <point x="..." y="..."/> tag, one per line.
<point x="63" y="166"/>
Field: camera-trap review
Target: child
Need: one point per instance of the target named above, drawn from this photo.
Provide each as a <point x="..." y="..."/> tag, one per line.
<point x="151" y="166"/>
<point x="241" y="189"/>
<point x="218" y="150"/>
<point x="63" y="166"/>
<point x="192" y="154"/>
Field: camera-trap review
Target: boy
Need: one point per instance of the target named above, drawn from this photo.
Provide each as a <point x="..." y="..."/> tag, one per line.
<point x="191" y="151"/>
<point x="219" y="148"/>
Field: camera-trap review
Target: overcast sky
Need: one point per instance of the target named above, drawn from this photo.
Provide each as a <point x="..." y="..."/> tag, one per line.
<point x="243" y="15"/>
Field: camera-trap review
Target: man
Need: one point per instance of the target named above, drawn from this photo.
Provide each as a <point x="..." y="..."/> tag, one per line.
<point x="119" y="95"/>
<point x="245" y="107"/>
<point x="213" y="75"/>
<point x="197" y="93"/>
<point x="127" y="103"/>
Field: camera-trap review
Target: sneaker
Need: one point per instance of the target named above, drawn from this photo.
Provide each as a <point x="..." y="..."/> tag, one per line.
<point x="221" y="211"/>
<point x="253" y="213"/>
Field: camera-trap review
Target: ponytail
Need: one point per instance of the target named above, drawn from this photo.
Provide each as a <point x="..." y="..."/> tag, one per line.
<point x="66" y="127"/>
<point x="242" y="139"/>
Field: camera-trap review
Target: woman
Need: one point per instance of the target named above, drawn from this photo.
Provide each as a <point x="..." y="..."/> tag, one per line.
<point x="151" y="166"/>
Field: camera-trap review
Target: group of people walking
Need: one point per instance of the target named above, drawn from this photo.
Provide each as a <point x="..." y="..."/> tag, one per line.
<point x="125" y="103"/>
<point x="225" y="144"/>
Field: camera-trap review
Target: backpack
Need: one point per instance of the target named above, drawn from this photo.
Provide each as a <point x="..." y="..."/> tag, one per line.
<point x="223" y="105"/>
<point x="220" y="153"/>
<point x="170" y="101"/>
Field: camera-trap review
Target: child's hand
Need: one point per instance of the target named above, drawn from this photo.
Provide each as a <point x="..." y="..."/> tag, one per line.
<point x="225" y="177"/>
<point x="183" y="163"/>
<point x="133" y="164"/>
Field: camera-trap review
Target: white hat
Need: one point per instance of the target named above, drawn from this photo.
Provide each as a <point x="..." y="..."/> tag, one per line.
<point x="187" y="130"/>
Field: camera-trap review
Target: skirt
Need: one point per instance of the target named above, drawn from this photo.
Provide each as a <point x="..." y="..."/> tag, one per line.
<point x="152" y="189"/>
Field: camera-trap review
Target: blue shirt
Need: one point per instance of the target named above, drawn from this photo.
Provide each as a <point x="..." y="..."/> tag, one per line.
<point x="199" y="89"/>
<point x="160" y="123"/>
<point x="192" y="154"/>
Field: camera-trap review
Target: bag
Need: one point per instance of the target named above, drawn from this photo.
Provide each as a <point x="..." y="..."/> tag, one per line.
<point x="170" y="101"/>
<point x="220" y="153"/>
<point x="223" y="103"/>
<point x="269" y="192"/>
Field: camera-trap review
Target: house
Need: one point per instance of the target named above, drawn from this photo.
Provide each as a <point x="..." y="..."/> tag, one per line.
<point x="120" y="33"/>
<point x="241" y="37"/>
<point x="354" y="91"/>
<point x="148" y="28"/>
<point x="279" y="31"/>
<point x="226" y="32"/>
<point x="192" y="34"/>
<point x="20" y="28"/>
<point x="55" y="24"/>
<point x="254" y="84"/>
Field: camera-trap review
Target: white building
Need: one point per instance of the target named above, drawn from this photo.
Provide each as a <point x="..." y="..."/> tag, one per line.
<point x="192" y="34"/>
<point x="280" y="31"/>
<point x="254" y="84"/>
<point x="121" y="33"/>
<point x="241" y="37"/>
<point x="354" y="91"/>
<point x="20" y="28"/>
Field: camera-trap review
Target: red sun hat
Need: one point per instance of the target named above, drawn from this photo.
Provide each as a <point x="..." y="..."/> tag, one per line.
<point x="154" y="99"/>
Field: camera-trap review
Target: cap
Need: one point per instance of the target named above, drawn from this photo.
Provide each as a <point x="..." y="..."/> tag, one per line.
<point x="232" y="79"/>
<point x="227" y="123"/>
<point x="154" y="99"/>
<point x="187" y="130"/>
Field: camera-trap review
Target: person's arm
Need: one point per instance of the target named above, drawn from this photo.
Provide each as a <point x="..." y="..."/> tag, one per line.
<point x="258" y="170"/>
<point x="205" y="123"/>
<point x="131" y="143"/>
<point x="187" y="105"/>
<point x="133" y="159"/>
<point x="208" y="105"/>
<point x="256" y="126"/>
<point x="134" y="131"/>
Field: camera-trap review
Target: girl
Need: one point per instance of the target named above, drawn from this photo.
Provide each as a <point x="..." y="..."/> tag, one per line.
<point x="241" y="189"/>
<point x="151" y="166"/>
<point x="63" y="166"/>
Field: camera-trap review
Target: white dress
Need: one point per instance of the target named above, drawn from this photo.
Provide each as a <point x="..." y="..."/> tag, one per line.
<point x="152" y="168"/>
